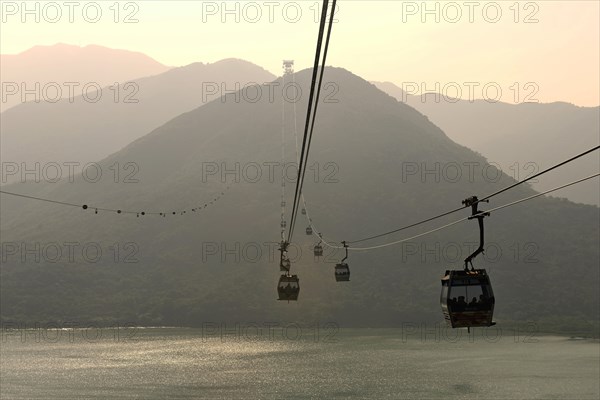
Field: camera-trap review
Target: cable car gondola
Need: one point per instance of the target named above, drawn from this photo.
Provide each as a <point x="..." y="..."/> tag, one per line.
<point x="309" y="230"/>
<point x="304" y="211"/>
<point x="318" y="250"/>
<point x="342" y="270"/>
<point x="283" y="224"/>
<point x="467" y="298"/>
<point x="288" y="287"/>
<point x="283" y="204"/>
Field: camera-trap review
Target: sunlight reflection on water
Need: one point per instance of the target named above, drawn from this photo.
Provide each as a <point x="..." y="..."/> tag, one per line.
<point x="184" y="363"/>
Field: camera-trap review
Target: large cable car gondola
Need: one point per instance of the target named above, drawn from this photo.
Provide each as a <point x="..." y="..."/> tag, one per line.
<point x="467" y="297"/>
<point x="288" y="287"/>
<point x="342" y="270"/>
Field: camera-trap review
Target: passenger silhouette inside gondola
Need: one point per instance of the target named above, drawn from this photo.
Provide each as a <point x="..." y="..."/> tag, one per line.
<point x="473" y="301"/>
<point x="461" y="301"/>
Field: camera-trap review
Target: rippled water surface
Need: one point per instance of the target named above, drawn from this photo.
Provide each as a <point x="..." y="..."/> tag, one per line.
<point x="163" y="363"/>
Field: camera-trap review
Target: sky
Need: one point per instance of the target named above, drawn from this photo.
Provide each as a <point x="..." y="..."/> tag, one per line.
<point x="512" y="51"/>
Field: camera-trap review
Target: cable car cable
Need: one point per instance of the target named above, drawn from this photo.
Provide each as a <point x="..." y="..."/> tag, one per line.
<point x="118" y="211"/>
<point x="304" y="151"/>
<point x="42" y="199"/>
<point x="539" y="173"/>
<point x="485" y="198"/>
<point x="283" y="203"/>
<point x="303" y="199"/>
<point x="308" y="113"/>
<point x="467" y="218"/>
<point x="319" y="86"/>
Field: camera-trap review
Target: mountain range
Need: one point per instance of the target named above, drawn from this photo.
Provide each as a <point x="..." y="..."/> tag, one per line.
<point x="219" y="263"/>
<point x="521" y="139"/>
<point x="84" y="131"/>
<point x="62" y="63"/>
<point x="518" y="139"/>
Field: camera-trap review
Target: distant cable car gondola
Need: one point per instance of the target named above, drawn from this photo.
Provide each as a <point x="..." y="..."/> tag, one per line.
<point x="288" y="287"/>
<point x="309" y="230"/>
<point x="342" y="270"/>
<point x="304" y="211"/>
<point x="467" y="297"/>
<point x="283" y="204"/>
<point x="318" y="250"/>
<point x="283" y="224"/>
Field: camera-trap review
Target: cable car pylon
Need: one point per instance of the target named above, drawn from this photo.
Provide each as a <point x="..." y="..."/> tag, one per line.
<point x="467" y="298"/>
<point x="288" y="287"/>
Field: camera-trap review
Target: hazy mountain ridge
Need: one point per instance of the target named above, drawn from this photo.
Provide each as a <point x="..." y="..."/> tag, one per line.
<point x="62" y="63"/>
<point x="370" y="137"/>
<point x="84" y="131"/>
<point x="520" y="138"/>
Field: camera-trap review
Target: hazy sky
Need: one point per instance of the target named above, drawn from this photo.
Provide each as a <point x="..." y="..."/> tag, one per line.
<point x="542" y="50"/>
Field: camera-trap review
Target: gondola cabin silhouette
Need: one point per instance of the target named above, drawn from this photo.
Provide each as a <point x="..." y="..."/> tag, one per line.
<point x="288" y="287"/>
<point x="467" y="298"/>
<point x="318" y="250"/>
<point x="342" y="270"/>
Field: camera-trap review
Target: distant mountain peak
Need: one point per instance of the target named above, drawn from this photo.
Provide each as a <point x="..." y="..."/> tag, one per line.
<point x="62" y="49"/>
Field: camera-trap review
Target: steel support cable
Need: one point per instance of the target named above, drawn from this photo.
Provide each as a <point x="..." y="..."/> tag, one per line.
<point x="466" y="218"/>
<point x="308" y="114"/>
<point x="480" y="200"/>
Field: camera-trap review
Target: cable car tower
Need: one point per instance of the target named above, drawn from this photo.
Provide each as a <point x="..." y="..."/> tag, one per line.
<point x="288" y="67"/>
<point x="288" y="287"/>
<point x="467" y="298"/>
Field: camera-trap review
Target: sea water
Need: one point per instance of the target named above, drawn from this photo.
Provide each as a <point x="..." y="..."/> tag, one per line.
<point x="256" y="363"/>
